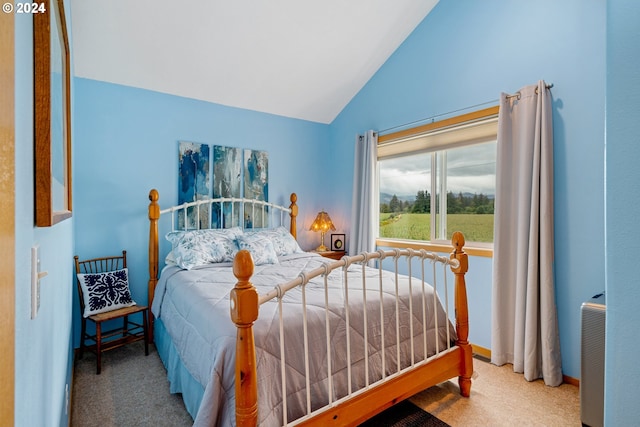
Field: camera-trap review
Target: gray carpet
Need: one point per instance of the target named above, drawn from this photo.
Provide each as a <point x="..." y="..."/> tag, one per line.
<point x="133" y="390"/>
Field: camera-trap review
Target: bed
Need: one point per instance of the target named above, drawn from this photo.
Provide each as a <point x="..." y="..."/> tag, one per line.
<point x="241" y="326"/>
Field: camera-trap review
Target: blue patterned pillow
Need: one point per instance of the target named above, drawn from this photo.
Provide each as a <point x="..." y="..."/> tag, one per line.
<point x="175" y="236"/>
<point x="261" y="248"/>
<point x="201" y="247"/>
<point x="283" y="241"/>
<point x="105" y="291"/>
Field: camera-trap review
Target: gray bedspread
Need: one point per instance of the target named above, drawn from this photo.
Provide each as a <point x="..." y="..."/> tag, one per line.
<point x="194" y="307"/>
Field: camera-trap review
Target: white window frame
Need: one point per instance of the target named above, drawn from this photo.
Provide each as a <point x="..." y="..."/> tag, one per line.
<point x="437" y="137"/>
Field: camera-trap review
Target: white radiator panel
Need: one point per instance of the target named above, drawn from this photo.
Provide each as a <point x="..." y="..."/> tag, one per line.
<point x="593" y="314"/>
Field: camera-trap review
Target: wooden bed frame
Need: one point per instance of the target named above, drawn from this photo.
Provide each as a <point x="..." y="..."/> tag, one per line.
<point x="455" y="362"/>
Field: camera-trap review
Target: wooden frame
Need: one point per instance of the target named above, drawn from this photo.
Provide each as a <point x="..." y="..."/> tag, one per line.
<point x="245" y="302"/>
<point x="52" y="116"/>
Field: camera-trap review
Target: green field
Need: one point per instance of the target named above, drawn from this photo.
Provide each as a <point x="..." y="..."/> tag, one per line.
<point x="415" y="226"/>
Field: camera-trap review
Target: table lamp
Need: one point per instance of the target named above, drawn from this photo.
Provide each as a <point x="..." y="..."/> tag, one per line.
<point x="322" y="223"/>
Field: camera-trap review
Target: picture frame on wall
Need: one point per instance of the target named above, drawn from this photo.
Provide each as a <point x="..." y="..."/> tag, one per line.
<point x="338" y="242"/>
<point x="52" y="116"/>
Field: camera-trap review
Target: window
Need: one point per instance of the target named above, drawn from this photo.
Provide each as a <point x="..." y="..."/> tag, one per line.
<point x="439" y="178"/>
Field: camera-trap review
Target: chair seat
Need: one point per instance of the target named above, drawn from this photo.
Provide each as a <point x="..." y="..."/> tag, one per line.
<point x="115" y="314"/>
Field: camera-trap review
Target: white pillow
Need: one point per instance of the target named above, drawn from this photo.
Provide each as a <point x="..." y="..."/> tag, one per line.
<point x="261" y="248"/>
<point x="105" y="291"/>
<point x="170" y="259"/>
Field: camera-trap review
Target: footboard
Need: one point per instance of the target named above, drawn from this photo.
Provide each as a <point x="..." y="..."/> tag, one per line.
<point x="408" y="365"/>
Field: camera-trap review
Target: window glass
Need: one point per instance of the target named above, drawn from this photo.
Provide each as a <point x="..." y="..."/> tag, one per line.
<point x="405" y="188"/>
<point x="469" y="185"/>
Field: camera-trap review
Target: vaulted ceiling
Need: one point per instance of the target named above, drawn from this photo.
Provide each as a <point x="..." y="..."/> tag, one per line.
<point x="295" y="58"/>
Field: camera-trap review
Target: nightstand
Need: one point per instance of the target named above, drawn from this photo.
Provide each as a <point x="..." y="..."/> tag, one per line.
<point x="332" y="254"/>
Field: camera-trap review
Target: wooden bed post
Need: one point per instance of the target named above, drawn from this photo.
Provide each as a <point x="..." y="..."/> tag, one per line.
<point x="293" y="215"/>
<point x="462" y="313"/>
<point x="244" y="311"/>
<point x="154" y="215"/>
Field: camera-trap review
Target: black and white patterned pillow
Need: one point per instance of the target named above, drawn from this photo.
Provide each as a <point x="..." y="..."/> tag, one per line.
<point x="105" y="291"/>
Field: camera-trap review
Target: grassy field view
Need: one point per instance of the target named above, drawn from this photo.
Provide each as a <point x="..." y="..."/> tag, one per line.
<point x="415" y="226"/>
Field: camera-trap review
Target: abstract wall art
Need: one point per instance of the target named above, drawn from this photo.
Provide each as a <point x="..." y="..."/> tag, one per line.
<point x="193" y="183"/>
<point x="227" y="182"/>
<point x="256" y="186"/>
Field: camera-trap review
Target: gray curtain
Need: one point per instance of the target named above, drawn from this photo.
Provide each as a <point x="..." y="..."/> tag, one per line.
<point x="524" y="318"/>
<point x="364" y="214"/>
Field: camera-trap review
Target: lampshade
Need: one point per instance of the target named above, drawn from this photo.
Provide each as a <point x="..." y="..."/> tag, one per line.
<point x="322" y="223"/>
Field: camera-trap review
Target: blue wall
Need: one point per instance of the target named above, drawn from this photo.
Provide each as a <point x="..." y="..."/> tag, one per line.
<point x="465" y="53"/>
<point x="126" y="143"/>
<point x="623" y="210"/>
<point x="43" y="346"/>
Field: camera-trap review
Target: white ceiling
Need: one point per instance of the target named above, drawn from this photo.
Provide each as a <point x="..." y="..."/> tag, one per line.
<point x="295" y="58"/>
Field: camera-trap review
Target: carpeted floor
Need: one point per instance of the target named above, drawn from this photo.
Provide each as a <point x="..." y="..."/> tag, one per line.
<point x="133" y="391"/>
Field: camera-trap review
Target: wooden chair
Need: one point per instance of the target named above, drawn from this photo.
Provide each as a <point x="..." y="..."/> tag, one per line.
<point x="106" y="340"/>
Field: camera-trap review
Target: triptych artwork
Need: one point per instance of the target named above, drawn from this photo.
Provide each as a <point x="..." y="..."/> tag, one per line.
<point x="236" y="173"/>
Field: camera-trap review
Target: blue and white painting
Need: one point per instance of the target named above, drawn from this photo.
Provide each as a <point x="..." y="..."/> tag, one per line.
<point x="256" y="186"/>
<point x="193" y="183"/>
<point x="227" y="182"/>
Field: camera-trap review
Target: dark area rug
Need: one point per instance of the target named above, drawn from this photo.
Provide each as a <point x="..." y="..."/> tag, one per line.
<point x="404" y="414"/>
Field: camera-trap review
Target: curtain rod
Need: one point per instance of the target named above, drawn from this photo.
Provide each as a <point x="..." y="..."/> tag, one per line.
<point x="495" y="101"/>
<point x="517" y="94"/>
